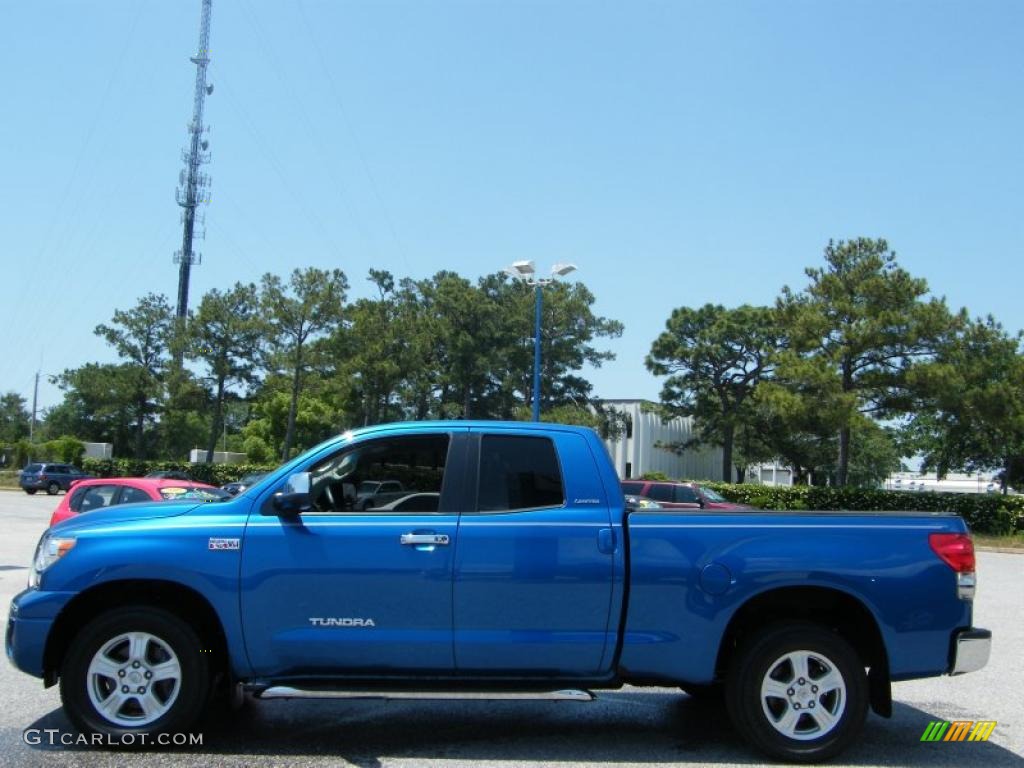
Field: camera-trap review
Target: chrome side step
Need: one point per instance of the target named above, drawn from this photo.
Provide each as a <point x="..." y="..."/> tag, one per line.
<point x="287" y="692"/>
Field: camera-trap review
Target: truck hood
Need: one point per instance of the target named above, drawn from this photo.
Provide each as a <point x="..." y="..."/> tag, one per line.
<point x="146" y="510"/>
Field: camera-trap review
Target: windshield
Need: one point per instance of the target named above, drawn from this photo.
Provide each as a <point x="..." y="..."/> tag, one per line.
<point x="173" y="492"/>
<point x="711" y="495"/>
<point x="33" y="468"/>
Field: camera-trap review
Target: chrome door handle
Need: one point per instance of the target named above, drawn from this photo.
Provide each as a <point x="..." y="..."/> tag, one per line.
<point x="413" y="539"/>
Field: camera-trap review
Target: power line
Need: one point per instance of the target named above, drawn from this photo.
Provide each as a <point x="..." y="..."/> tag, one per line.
<point x="352" y="135"/>
<point x="318" y="145"/>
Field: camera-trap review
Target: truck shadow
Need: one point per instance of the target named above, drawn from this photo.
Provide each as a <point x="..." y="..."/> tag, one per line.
<point x="630" y="726"/>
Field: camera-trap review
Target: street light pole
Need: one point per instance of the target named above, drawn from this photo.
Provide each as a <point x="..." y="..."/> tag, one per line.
<point x="536" y="353"/>
<point x="525" y="271"/>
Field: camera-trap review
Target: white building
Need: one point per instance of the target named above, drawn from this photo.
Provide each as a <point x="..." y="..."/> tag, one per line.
<point x="954" y="482"/>
<point x="637" y="451"/>
<point x="198" y="456"/>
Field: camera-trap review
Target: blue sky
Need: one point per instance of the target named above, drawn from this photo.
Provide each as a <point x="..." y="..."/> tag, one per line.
<point x="679" y="153"/>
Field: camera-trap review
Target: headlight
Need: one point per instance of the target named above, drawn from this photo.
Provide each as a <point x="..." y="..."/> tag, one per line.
<point x="50" y="550"/>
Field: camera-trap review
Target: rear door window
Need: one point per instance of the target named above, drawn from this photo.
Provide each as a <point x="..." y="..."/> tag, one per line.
<point x="660" y="492"/>
<point x="686" y="495"/>
<point x="97" y="497"/>
<point x="633" y="489"/>
<point x="518" y="473"/>
<point x="131" y="495"/>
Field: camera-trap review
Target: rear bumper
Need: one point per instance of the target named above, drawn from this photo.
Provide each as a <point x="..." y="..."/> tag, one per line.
<point x="971" y="649"/>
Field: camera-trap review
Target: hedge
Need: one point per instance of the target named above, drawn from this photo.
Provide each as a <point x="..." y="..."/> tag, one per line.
<point x="993" y="514"/>
<point x="214" y="474"/>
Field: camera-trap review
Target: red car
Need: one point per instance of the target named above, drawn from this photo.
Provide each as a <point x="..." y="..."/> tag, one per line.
<point x="87" y="495"/>
<point x="680" y="495"/>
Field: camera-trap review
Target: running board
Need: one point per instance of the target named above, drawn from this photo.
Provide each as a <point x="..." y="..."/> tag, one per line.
<point x="287" y="692"/>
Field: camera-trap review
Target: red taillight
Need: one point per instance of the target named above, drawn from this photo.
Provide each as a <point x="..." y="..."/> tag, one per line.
<point x="955" y="549"/>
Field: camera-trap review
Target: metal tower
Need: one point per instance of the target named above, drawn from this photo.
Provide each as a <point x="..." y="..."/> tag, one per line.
<point x="193" y="189"/>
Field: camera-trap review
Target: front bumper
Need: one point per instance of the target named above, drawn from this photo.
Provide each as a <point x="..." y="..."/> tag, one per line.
<point x="28" y="627"/>
<point x="971" y="649"/>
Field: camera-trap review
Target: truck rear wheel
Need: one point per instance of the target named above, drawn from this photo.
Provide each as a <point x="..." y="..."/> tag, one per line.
<point x="798" y="692"/>
<point x="135" y="671"/>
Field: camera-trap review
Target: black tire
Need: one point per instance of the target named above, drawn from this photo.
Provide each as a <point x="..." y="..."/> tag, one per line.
<point x="185" y="700"/>
<point x="52" y="488"/>
<point x="713" y="693"/>
<point x="30" y="491"/>
<point x="786" y="727"/>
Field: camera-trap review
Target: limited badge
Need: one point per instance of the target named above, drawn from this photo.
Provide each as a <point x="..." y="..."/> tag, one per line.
<point x="224" y="544"/>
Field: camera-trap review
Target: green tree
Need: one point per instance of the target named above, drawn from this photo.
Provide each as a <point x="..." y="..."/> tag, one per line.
<point x="98" y="405"/>
<point x="367" y="359"/>
<point x="865" y="320"/>
<point x="141" y="336"/>
<point x="970" y="409"/>
<point x="314" y="420"/>
<point x="14" y="417"/>
<point x="797" y="421"/>
<point x="310" y="305"/>
<point x="184" y="419"/>
<point x="714" y="359"/>
<point x="226" y="335"/>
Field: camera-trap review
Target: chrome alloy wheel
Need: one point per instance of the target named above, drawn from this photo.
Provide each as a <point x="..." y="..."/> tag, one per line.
<point x="133" y="679"/>
<point x="803" y="695"/>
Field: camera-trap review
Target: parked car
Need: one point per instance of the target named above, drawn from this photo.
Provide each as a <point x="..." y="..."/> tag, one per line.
<point x="101" y="492"/>
<point x="412" y="502"/>
<point x="50" y="477"/>
<point x="238" y="486"/>
<point x="376" y="493"/>
<point x="641" y="502"/>
<point x="168" y="474"/>
<point x="531" y="577"/>
<point x="680" y="495"/>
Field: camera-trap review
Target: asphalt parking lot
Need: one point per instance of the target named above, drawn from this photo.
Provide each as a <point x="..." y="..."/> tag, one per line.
<point x="630" y="727"/>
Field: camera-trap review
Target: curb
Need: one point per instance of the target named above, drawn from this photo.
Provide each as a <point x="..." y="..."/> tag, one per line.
<point x="1002" y="550"/>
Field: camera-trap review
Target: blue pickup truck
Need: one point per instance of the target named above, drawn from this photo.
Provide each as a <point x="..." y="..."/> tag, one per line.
<point x="516" y="570"/>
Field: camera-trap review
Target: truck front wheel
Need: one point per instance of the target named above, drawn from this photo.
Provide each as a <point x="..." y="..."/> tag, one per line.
<point x="134" y="671"/>
<point x="798" y="692"/>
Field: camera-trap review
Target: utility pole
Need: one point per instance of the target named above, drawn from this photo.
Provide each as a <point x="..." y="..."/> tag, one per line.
<point x="194" y="186"/>
<point x="35" y="400"/>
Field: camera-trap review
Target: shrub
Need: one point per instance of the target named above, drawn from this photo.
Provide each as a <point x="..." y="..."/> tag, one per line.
<point x="989" y="513"/>
<point x="214" y="474"/>
<point x="655" y="476"/>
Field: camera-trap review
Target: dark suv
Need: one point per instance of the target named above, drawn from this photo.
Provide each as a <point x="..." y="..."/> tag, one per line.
<point x="50" y="476"/>
<point x="679" y="495"/>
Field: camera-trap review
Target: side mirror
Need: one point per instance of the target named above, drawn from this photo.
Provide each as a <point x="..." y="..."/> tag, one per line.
<point x="294" y="497"/>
